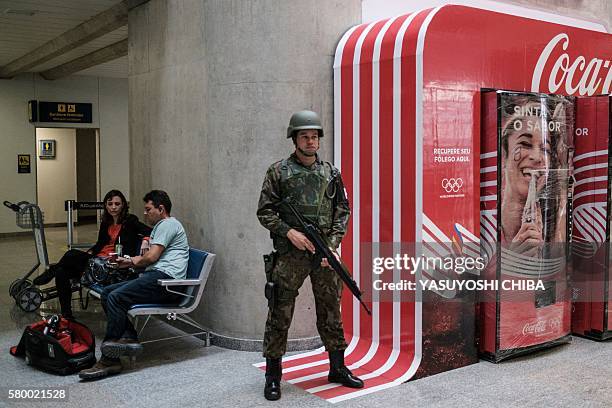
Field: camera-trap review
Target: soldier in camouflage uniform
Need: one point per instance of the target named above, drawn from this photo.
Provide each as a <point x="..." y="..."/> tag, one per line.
<point x="315" y="188"/>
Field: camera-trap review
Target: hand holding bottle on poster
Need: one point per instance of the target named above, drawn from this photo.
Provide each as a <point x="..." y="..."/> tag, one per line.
<point x="534" y="142"/>
<point x="529" y="239"/>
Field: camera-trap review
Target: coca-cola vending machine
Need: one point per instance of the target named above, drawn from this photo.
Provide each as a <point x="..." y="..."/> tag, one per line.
<point x="526" y="150"/>
<point x="590" y="227"/>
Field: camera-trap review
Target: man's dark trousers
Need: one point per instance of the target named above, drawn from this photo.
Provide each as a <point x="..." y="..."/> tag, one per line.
<point x="119" y="297"/>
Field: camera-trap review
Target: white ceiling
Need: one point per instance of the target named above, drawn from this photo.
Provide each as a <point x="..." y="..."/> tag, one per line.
<point x="21" y="33"/>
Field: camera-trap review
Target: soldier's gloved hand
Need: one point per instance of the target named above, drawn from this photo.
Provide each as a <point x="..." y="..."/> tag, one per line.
<point x="300" y="241"/>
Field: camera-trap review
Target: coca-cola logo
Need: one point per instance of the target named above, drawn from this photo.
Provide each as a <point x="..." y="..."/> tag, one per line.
<point x="534" y="328"/>
<point x="540" y="327"/>
<point x="573" y="77"/>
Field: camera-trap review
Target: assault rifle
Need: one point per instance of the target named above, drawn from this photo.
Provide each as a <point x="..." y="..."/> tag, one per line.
<point x="317" y="237"/>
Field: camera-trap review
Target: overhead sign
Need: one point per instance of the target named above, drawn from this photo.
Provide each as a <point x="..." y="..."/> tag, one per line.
<point x="23" y="163"/>
<point x="63" y="112"/>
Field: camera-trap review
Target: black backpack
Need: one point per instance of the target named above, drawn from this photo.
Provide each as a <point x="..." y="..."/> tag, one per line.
<point x="65" y="347"/>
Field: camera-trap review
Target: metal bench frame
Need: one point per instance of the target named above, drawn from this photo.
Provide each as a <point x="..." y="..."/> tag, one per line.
<point x="192" y="292"/>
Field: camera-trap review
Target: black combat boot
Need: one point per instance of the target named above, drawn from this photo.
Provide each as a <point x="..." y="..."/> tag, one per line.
<point x="339" y="373"/>
<point x="274" y="372"/>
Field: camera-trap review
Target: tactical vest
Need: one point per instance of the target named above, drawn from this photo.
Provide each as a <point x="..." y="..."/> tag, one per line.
<point x="311" y="192"/>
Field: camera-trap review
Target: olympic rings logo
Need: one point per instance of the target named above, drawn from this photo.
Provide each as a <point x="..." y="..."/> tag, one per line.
<point x="452" y="184"/>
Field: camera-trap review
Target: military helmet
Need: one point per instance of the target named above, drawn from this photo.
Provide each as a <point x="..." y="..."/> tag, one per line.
<point x="304" y="120"/>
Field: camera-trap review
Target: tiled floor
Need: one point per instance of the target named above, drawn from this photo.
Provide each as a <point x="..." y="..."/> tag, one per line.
<point x="185" y="373"/>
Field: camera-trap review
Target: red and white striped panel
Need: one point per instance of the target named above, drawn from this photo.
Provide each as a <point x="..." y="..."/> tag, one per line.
<point x="488" y="203"/>
<point x="590" y="199"/>
<point x="378" y="136"/>
<point x="591" y="217"/>
<point x="590" y="196"/>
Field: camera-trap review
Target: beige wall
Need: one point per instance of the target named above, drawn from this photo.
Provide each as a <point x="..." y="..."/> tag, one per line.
<point x="18" y="137"/>
<point x="109" y="99"/>
<point x="56" y="177"/>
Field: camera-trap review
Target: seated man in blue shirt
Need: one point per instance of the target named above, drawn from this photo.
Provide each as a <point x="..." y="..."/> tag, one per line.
<point x="166" y="259"/>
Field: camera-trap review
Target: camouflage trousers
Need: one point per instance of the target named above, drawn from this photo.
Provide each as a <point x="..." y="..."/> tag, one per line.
<point x="289" y="274"/>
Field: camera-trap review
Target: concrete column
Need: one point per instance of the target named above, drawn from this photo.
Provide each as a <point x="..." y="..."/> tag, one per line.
<point x="212" y="86"/>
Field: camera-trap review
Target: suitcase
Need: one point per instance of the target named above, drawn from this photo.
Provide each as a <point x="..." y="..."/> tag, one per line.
<point x="67" y="348"/>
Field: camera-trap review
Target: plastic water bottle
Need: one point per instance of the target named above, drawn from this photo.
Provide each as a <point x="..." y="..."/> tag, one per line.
<point x="119" y="247"/>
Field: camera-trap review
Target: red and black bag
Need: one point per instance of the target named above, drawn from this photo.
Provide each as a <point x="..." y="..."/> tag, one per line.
<point x="66" y="349"/>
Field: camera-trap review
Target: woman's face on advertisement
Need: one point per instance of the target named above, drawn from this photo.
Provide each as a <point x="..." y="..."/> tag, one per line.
<point x="528" y="149"/>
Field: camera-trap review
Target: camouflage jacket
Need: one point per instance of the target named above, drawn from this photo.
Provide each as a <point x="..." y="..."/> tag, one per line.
<point x="334" y="209"/>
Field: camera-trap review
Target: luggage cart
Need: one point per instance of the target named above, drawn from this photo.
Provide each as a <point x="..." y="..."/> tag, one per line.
<point x="27" y="296"/>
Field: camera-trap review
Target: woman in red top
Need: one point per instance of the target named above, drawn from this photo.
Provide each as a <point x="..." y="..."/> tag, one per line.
<point x="118" y="226"/>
